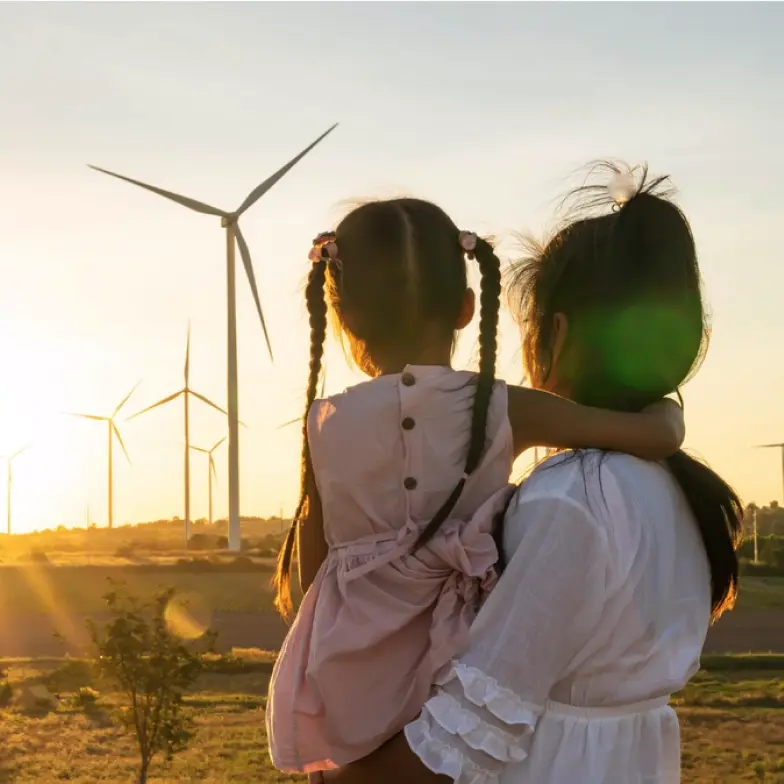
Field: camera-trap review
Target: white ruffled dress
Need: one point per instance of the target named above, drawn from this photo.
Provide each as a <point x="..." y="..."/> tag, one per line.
<point x="599" y="617"/>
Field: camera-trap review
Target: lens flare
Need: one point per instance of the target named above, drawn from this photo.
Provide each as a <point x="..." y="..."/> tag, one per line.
<point x="188" y="615"/>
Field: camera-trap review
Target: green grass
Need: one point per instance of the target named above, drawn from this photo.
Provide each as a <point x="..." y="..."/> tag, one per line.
<point x="761" y="593"/>
<point x="732" y="717"/>
<point x="77" y="589"/>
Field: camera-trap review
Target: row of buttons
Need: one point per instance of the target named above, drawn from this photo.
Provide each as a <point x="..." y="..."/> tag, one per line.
<point x="408" y="424"/>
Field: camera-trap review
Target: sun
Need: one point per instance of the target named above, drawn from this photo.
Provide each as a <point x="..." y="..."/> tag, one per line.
<point x="54" y="471"/>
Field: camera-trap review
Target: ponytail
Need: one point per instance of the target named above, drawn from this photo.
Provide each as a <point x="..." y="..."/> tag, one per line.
<point x="490" y="297"/>
<point x="317" y="311"/>
<point x="719" y="515"/>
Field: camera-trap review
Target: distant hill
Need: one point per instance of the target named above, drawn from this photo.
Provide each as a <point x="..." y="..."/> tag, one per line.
<point x="155" y="536"/>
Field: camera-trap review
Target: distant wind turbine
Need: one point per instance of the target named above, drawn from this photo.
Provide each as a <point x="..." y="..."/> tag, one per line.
<point x="322" y="390"/>
<point x="781" y="447"/>
<point x="112" y="431"/>
<point x="210" y="467"/>
<point x="9" y="482"/>
<point x="229" y="221"/>
<point x="186" y="391"/>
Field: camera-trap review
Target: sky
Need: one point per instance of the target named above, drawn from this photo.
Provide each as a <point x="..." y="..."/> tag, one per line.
<point x="486" y="109"/>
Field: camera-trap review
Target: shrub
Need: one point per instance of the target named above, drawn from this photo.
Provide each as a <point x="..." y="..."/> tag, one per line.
<point x="36" y="556"/>
<point x="125" y="550"/>
<point x="86" y="698"/>
<point x="153" y="669"/>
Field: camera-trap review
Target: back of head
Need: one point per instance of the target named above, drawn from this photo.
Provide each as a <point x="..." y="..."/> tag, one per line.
<point x="622" y="274"/>
<point x="401" y="267"/>
<point x="393" y="278"/>
<point x="626" y="278"/>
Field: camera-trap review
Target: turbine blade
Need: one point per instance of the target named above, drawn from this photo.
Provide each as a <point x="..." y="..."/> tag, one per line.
<point x="209" y="402"/>
<point x="246" y="262"/>
<point x="185" y="201"/>
<point x="119" y="438"/>
<point x="260" y="190"/>
<point x="188" y="355"/>
<point x="212" y="468"/>
<point x="323" y="388"/>
<point x="19" y="451"/>
<point x="125" y="400"/>
<point x="289" y="423"/>
<point x="156" y="405"/>
<point x="199" y="449"/>
<point x="218" y="444"/>
<point x="90" y="416"/>
<point x="769" y="446"/>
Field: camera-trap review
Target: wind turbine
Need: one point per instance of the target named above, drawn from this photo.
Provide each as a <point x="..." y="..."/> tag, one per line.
<point x="185" y="392"/>
<point x="781" y="447"/>
<point x="210" y="467"/>
<point x="9" y="483"/>
<point x="230" y="222"/>
<point x="321" y="392"/>
<point x="112" y="431"/>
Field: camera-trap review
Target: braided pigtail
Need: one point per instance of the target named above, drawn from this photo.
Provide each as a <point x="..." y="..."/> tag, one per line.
<point x="317" y="311"/>
<point x="490" y="299"/>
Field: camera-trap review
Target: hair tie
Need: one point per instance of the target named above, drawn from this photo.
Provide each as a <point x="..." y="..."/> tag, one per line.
<point x="468" y="242"/>
<point x="622" y="189"/>
<point x="324" y="248"/>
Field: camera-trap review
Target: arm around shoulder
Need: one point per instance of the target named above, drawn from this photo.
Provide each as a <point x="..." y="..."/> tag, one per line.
<point x="542" y="419"/>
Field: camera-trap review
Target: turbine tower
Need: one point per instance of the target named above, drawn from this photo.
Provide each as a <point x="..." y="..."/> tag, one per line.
<point x="210" y="467"/>
<point x="113" y="432"/>
<point x="185" y="392"/>
<point x="234" y="237"/>
<point x="9" y="482"/>
<point x="781" y="447"/>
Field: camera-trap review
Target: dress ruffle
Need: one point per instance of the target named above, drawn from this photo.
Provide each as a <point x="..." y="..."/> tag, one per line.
<point x="498" y="746"/>
<point x="441" y="758"/>
<point x="485" y="692"/>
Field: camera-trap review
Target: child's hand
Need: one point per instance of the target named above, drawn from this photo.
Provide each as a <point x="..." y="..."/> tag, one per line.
<point x="668" y="414"/>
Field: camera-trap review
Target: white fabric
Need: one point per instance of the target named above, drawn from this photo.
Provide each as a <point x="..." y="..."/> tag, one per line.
<point x="600" y="616"/>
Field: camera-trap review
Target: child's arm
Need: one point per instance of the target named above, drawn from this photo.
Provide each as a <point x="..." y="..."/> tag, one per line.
<point x="311" y="544"/>
<point x="541" y="419"/>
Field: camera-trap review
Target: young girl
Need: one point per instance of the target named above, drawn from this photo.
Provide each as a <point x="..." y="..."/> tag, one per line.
<point x="402" y="477"/>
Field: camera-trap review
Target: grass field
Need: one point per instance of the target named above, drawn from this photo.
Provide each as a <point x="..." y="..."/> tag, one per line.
<point x="78" y="589"/>
<point x="732" y="719"/>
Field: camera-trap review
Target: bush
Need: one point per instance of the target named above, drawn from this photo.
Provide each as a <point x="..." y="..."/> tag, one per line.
<point x="36" y="556"/>
<point x="771" y="552"/>
<point x="125" y="550"/>
<point x="750" y="569"/>
<point x="86" y="698"/>
<point x="71" y="675"/>
<point x="153" y="669"/>
<point x="202" y="541"/>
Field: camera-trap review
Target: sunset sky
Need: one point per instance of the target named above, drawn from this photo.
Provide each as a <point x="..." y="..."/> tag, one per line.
<point x="485" y="109"/>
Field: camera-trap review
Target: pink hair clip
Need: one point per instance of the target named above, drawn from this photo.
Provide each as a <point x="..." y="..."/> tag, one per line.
<point x="468" y="242"/>
<point x="324" y="242"/>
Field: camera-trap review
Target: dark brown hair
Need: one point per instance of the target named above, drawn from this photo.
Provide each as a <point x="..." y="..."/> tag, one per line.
<point x="400" y="266"/>
<point x="623" y="270"/>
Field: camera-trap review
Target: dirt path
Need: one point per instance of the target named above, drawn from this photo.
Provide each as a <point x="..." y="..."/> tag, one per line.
<point x="32" y="635"/>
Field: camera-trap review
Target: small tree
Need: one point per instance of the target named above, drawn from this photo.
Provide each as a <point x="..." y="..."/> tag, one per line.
<point x="153" y="668"/>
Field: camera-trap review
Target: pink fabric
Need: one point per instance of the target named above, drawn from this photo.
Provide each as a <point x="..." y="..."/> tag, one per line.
<point x="379" y="622"/>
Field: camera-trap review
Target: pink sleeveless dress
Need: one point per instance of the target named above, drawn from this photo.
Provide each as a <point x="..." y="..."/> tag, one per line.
<point x="379" y="622"/>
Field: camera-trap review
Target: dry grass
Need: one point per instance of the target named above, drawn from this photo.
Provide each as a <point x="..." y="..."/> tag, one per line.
<point x="79" y="585"/>
<point x="732" y="726"/>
